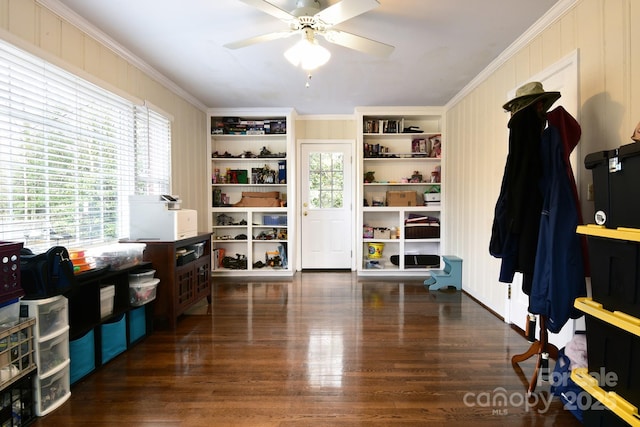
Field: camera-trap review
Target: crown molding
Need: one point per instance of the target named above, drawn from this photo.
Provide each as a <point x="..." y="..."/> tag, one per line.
<point x="85" y="26"/>
<point x="552" y="15"/>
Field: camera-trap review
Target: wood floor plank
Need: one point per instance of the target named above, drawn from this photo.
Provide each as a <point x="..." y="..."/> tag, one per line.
<point x="318" y="349"/>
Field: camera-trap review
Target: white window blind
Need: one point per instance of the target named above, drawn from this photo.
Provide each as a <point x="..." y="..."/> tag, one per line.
<point x="71" y="153"/>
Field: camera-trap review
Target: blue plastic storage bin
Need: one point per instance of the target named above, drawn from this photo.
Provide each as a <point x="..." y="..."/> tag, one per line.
<point x="114" y="338"/>
<point x="137" y="323"/>
<point x="82" y="353"/>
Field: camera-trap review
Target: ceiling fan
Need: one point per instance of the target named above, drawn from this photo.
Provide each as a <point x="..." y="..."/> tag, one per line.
<point x="310" y="20"/>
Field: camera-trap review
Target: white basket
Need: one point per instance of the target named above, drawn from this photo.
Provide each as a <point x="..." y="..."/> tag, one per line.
<point x="142" y="293"/>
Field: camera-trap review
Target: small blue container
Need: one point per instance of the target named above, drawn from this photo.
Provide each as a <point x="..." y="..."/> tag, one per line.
<point x="82" y="353"/>
<point x="114" y="338"/>
<point x="137" y="323"/>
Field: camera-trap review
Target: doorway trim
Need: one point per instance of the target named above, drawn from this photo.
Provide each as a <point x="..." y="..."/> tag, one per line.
<point x="298" y="206"/>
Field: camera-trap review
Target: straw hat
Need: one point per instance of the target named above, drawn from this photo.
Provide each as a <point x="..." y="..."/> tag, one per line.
<point x="528" y="94"/>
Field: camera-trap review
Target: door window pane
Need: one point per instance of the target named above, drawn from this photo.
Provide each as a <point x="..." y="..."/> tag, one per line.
<point x="326" y="180"/>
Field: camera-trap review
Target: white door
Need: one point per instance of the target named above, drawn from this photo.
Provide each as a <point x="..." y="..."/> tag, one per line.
<point x="326" y="205"/>
<point x="561" y="77"/>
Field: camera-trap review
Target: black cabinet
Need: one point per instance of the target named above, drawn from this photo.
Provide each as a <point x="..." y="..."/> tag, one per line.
<point x="104" y="324"/>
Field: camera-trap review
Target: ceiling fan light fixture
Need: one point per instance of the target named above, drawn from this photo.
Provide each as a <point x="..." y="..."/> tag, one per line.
<point x="307" y="53"/>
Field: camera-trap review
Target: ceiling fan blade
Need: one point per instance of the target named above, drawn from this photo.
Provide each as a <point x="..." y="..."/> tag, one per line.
<point x="346" y="9"/>
<point x="269" y="8"/>
<point x="259" y="39"/>
<point x="359" y="43"/>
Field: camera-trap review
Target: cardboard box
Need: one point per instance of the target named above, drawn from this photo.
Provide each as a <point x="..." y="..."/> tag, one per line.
<point x="402" y="198"/>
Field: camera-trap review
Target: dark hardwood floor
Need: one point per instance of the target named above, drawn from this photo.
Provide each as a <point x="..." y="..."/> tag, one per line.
<point x="319" y="349"/>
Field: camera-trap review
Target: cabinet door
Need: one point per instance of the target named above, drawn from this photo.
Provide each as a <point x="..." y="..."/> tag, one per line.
<point x="185" y="286"/>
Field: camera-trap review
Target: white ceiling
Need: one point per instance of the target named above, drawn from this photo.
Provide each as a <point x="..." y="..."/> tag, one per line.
<point x="440" y="46"/>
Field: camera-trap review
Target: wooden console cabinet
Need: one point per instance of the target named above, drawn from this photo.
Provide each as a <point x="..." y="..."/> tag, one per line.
<point x="181" y="286"/>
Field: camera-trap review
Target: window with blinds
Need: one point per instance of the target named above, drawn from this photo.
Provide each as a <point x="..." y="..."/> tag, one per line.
<point x="71" y="154"/>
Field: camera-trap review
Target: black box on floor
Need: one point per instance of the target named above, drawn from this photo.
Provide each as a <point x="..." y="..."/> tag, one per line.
<point x="615" y="275"/>
<point x="616" y="189"/>
<point x="613" y="356"/>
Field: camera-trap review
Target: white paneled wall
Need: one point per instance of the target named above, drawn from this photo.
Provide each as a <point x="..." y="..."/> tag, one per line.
<point x="477" y="134"/>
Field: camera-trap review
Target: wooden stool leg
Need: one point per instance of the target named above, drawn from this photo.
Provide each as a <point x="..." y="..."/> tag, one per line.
<point x="536" y="349"/>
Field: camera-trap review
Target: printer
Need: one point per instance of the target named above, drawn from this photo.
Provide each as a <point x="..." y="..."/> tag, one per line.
<point x="160" y="217"/>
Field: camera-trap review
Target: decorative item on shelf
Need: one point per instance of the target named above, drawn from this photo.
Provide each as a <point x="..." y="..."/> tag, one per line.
<point x="367" y="232"/>
<point x="435" y="175"/>
<point x="369" y="177"/>
<point x="238" y="176"/>
<point x="420" y="147"/>
<point x="412" y="129"/>
<point x="263" y="175"/>
<point x="377" y="201"/>
<point x="416" y="177"/>
<point x="272" y="259"/>
<point x="436" y="146"/>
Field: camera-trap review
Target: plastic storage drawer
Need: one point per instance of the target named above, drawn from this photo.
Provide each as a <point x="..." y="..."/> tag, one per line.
<point x="114" y="338"/>
<point x="51" y="314"/>
<point x="83" y="356"/>
<point x="52" y="391"/>
<point x="52" y="352"/>
<point x="137" y="323"/>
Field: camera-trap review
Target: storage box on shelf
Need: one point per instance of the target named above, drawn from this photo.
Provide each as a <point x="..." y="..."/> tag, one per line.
<point x="252" y="154"/>
<point x="180" y="286"/>
<point x="51" y="343"/>
<point x="118" y="256"/>
<point x="400" y="162"/>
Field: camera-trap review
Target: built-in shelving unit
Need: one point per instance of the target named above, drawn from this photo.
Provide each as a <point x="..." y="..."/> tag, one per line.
<point x="401" y="192"/>
<point x="252" y="191"/>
